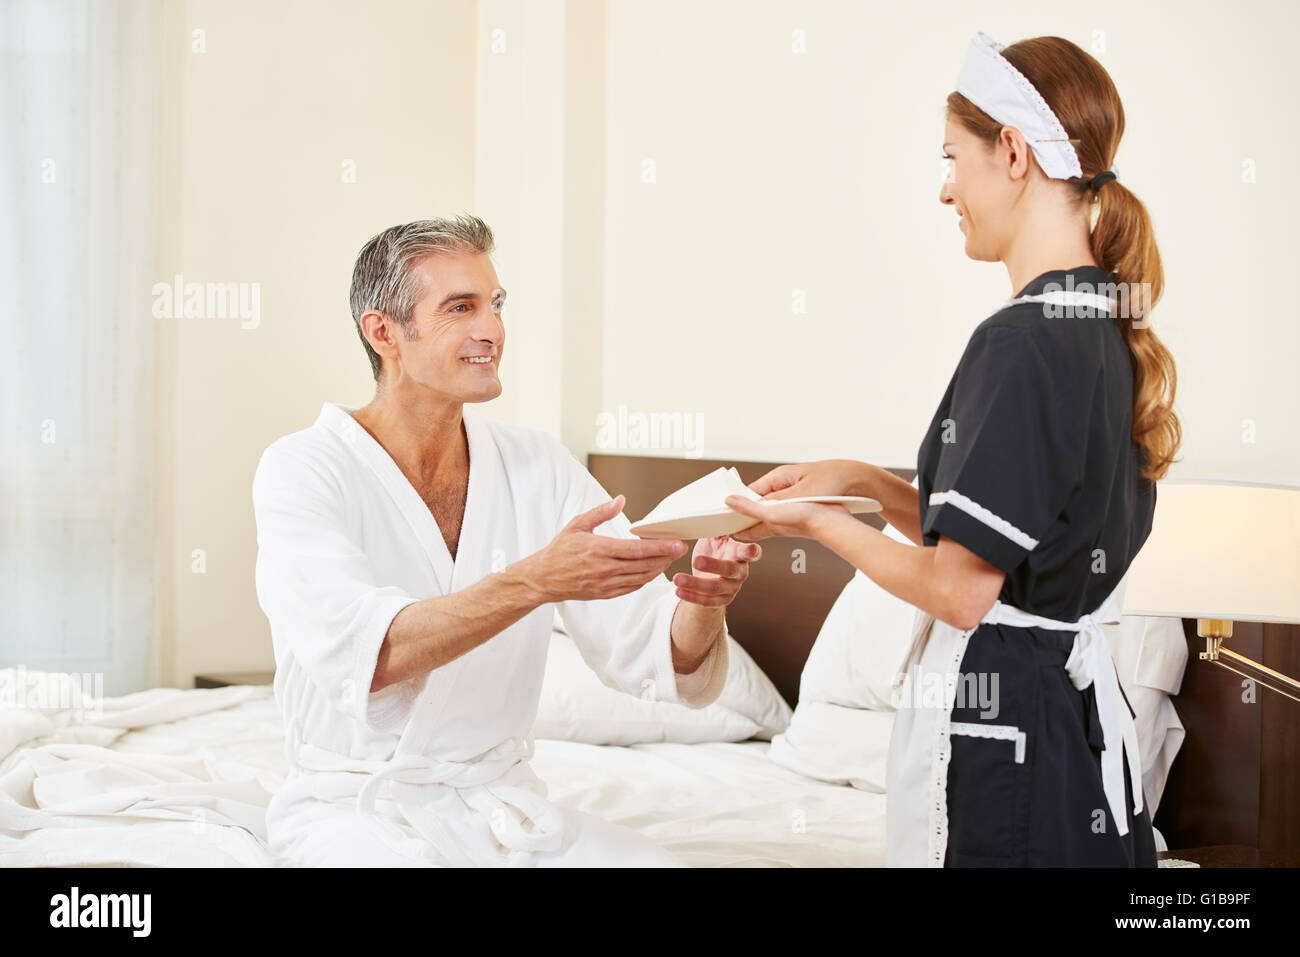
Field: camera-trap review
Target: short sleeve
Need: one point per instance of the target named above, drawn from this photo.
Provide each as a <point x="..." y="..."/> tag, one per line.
<point x="317" y="587"/>
<point x="1010" y="451"/>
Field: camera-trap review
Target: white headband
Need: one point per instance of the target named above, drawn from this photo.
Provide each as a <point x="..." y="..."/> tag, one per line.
<point x="989" y="81"/>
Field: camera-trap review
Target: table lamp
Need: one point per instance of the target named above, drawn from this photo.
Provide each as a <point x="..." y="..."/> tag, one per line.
<point x="1222" y="552"/>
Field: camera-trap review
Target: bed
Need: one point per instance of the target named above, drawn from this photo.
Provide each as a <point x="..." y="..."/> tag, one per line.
<point x="170" y="777"/>
<point x="191" y="791"/>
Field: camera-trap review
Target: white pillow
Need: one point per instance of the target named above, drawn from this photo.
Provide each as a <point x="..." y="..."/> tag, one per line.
<point x="840" y="730"/>
<point x="861" y="645"/>
<point x="576" y="706"/>
<point x="836" y="744"/>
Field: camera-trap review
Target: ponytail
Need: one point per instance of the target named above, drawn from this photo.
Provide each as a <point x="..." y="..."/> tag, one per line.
<point x="1124" y="244"/>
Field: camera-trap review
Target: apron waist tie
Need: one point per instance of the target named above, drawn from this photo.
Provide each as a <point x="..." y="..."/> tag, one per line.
<point x="1090" y="664"/>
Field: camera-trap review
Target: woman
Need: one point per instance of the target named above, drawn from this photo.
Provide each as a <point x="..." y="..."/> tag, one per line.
<point x="1035" y="489"/>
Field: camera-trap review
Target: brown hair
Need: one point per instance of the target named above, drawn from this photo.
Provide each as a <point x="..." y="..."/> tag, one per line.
<point x="1083" y="97"/>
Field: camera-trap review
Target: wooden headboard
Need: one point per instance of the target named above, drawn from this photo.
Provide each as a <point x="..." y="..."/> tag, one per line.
<point x="777" y="615"/>
<point x="1235" y="785"/>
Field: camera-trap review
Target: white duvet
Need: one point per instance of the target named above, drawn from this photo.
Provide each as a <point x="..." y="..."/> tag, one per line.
<point x="182" y="778"/>
<point x="162" y="777"/>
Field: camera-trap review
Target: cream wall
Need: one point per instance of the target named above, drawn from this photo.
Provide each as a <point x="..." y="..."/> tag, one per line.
<point x="777" y="175"/>
<point x="256" y="132"/>
<point x="819" y="171"/>
<point x="539" y="181"/>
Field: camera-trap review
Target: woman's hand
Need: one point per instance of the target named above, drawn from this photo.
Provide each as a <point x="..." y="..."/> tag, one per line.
<point x="828" y="477"/>
<point x="797" y="520"/>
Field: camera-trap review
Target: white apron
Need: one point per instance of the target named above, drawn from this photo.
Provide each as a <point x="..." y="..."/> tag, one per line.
<point x="916" y="783"/>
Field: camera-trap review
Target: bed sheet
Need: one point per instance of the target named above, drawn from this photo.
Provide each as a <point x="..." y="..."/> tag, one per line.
<point x="187" y="783"/>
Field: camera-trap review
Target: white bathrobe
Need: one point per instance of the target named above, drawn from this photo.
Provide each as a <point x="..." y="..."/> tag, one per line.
<point x="434" y="770"/>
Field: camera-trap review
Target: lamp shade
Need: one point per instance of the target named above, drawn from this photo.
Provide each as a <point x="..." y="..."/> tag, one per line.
<point x="1219" y="550"/>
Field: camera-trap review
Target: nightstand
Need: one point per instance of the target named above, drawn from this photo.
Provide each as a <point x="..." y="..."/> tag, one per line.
<point x="1234" y="855"/>
<point x="226" y="678"/>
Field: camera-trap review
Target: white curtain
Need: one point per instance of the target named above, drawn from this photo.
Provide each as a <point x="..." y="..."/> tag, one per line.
<point x="78" y="102"/>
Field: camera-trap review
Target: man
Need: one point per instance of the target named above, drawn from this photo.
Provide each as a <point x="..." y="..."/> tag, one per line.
<point x="411" y="555"/>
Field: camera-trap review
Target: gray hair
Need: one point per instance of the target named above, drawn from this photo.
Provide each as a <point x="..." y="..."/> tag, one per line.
<point x="384" y="278"/>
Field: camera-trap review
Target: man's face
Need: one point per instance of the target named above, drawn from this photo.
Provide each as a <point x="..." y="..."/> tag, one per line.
<point x="457" y="327"/>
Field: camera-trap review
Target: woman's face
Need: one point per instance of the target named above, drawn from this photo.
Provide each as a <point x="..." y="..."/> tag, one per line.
<point x="980" y="189"/>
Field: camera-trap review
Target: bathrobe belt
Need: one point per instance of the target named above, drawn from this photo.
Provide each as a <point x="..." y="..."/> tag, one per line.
<point x="1090" y="663"/>
<point x="519" y="820"/>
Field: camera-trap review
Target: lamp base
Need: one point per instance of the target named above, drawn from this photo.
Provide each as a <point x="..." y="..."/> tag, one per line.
<point x="1214" y="627"/>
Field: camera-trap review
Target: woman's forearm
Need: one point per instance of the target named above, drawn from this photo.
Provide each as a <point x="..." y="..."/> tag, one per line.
<point x="902" y="570"/>
<point x="898" y="498"/>
<point x="947" y="581"/>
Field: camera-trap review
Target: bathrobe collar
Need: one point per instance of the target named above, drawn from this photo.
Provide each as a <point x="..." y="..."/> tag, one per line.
<point x="337" y="419"/>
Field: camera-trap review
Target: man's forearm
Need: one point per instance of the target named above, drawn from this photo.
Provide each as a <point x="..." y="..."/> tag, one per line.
<point x="431" y="633"/>
<point x="694" y="631"/>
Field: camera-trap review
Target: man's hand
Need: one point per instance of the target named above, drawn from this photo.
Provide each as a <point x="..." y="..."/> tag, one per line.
<point x="580" y="565"/>
<point x="721" y="567"/>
